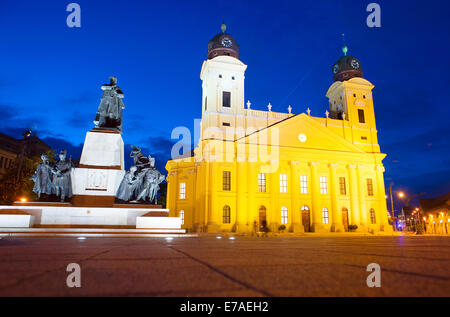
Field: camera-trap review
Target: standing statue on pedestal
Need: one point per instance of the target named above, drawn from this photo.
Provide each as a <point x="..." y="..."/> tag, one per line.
<point x="61" y="179"/>
<point x="141" y="183"/>
<point x="109" y="113"/>
<point x="43" y="178"/>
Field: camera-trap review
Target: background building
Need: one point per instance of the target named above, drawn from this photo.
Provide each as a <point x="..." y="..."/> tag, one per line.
<point x="436" y="214"/>
<point x="254" y="169"/>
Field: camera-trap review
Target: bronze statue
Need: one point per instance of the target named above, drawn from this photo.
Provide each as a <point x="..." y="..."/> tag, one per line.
<point x="141" y="183"/>
<point x="109" y="113"/>
<point x="62" y="180"/>
<point x="43" y="178"/>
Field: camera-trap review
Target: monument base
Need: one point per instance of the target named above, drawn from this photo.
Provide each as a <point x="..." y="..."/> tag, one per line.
<point x="54" y="216"/>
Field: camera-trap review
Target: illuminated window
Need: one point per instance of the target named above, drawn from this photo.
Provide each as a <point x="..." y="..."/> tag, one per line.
<point x="181" y="215"/>
<point x="372" y="216"/>
<point x="226" y="214"/>
<point x="226" y="99"/>
<point x="361" y="116"/>
<point x="226" y="184"/>
<point x="323" y="185"/>
<point x="304" y="184"/>
<point x="182" y="190"/>
<point x="284" y="215"/>
<point x="283" y="183"/>
<point x="369" y="187"/>
<point x="325" y="218"/>
<point x="342" y="186"/>
<point x="262" y="183"/>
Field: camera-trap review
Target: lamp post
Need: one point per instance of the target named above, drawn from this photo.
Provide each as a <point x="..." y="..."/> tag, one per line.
<point x="26" y="134"/>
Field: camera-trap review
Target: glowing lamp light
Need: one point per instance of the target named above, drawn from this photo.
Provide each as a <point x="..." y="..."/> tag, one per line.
<point x="23" y="199"/>
<point x="219" y="237"/>
<point x="401" y="194"/>
<point x="169" y="238"/>
<point x="231" y="238"/>
<point x="424" y="218"/>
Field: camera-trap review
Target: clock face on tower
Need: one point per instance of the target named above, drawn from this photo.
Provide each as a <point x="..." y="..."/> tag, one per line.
<point x="354" y="63"/>
<point x="226" y="42"/>
<point x="335" y="68"/>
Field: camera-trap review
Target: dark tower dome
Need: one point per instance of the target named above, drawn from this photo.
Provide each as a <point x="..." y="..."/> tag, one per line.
<point x="346" y="67"/>
<point x="223" y="44"/>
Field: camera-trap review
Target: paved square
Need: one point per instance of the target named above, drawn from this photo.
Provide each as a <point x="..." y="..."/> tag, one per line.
<point x="207" y="266"/>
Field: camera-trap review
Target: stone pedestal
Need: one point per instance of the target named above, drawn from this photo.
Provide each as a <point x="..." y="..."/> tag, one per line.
<point x="101" y="169"/>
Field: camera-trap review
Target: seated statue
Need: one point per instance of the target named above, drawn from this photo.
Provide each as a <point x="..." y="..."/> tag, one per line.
<point x="127" y="188"/>
<point x="109" y="113"/>
<point x="141" y="183"/>
<point x="43" y="178"/>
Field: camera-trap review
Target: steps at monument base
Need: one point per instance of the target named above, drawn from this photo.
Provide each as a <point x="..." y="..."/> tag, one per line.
<point x="93" y="232"/>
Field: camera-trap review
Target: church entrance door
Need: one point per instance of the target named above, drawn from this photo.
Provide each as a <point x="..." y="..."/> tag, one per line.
<point x="262" y="218"/>
<point x="306" y="220"/>
<point x="345" y="218"/>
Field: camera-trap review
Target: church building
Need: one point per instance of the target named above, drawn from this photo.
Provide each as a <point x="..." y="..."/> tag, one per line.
<point x="255" y="169"/>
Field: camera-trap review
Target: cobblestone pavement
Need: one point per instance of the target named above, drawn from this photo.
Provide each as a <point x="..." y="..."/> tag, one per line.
<point x="243" y="266"/>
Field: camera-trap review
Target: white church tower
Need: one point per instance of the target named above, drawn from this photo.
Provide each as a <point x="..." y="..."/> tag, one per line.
<point x="223" y="77"/>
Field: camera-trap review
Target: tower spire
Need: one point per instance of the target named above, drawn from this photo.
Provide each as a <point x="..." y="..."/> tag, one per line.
<point x="223" y="27"/>
<point x="344" y="47"/>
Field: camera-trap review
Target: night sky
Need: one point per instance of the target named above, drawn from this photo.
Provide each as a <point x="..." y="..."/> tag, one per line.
<point x="50" y="75"/>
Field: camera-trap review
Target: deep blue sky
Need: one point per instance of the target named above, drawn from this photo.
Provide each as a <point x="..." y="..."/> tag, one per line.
<point x="50" y="75"/>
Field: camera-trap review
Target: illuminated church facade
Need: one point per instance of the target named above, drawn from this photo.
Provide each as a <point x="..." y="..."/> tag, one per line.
<point x="255" y="169"/>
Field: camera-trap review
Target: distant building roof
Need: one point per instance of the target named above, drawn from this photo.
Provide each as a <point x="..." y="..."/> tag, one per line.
<point x="35" y="146"/>
<point x="435" y="204"/>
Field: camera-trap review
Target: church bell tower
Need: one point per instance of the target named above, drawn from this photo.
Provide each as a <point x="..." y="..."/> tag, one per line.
<point x="222" y="78"/>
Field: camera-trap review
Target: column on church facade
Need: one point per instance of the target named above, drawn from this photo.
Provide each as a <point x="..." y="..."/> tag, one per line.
<point x="315" y="195"/>
<point x="252" y="209"/>
<point x="362" y="186"/>
<point x="198" y="203"/>
<point x="241" y="196"/>
<point x="295" y="212"/>
<point x="274" y="212"/>
<point x="381" y="196"/>
<point x="353" y="185"/>
<point x="336" y="222"/>
<point x="213" y="214"/>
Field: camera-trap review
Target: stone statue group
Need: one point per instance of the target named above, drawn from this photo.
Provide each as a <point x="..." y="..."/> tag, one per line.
<point x="141" y="182"/>
<point x="53" y="179"/>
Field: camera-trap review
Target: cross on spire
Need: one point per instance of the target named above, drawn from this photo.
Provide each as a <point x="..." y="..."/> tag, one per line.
<point x="248" y="104"/>
<point x="269" y="106"/>
<point x="289" y="109"/>
<point x="308" y="111"/>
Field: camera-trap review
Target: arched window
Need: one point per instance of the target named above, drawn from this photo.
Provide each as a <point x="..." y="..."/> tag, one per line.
<point x="226" y="214"/>
<point x="373" y="219"/>
<point x="325" y="218"/>
<point x="181" y="215"/>
<point x="284" y="215"/>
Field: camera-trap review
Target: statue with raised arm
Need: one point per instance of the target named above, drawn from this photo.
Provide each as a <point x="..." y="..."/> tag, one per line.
<point x="61" y="179"/>
<point x="109" y="113"/>
<point x="43" y="178"/>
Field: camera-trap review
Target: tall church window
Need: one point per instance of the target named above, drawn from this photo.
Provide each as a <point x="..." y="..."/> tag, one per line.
<point x="361" y="116"/>
<point x="182" y="190"/>
<point x="284" y="215"/>
<point x="372" y="216"/>
<point x="342" y="186"/>
<point x="226" y="214"/>
<point x="206" y="103"/>
<point x="226" y="99"/>
<point x="369" y="187"/>
<point x="262" y="182"/>
<point x="283" y="183"/>
<point x="303" y="184"/>
<point x="325" y="218"/>
<point x="226" y="184"/>
<point x="323" y="185"/>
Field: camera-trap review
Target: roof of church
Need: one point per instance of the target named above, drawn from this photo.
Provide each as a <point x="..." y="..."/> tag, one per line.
<point x="430" y="204"/>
